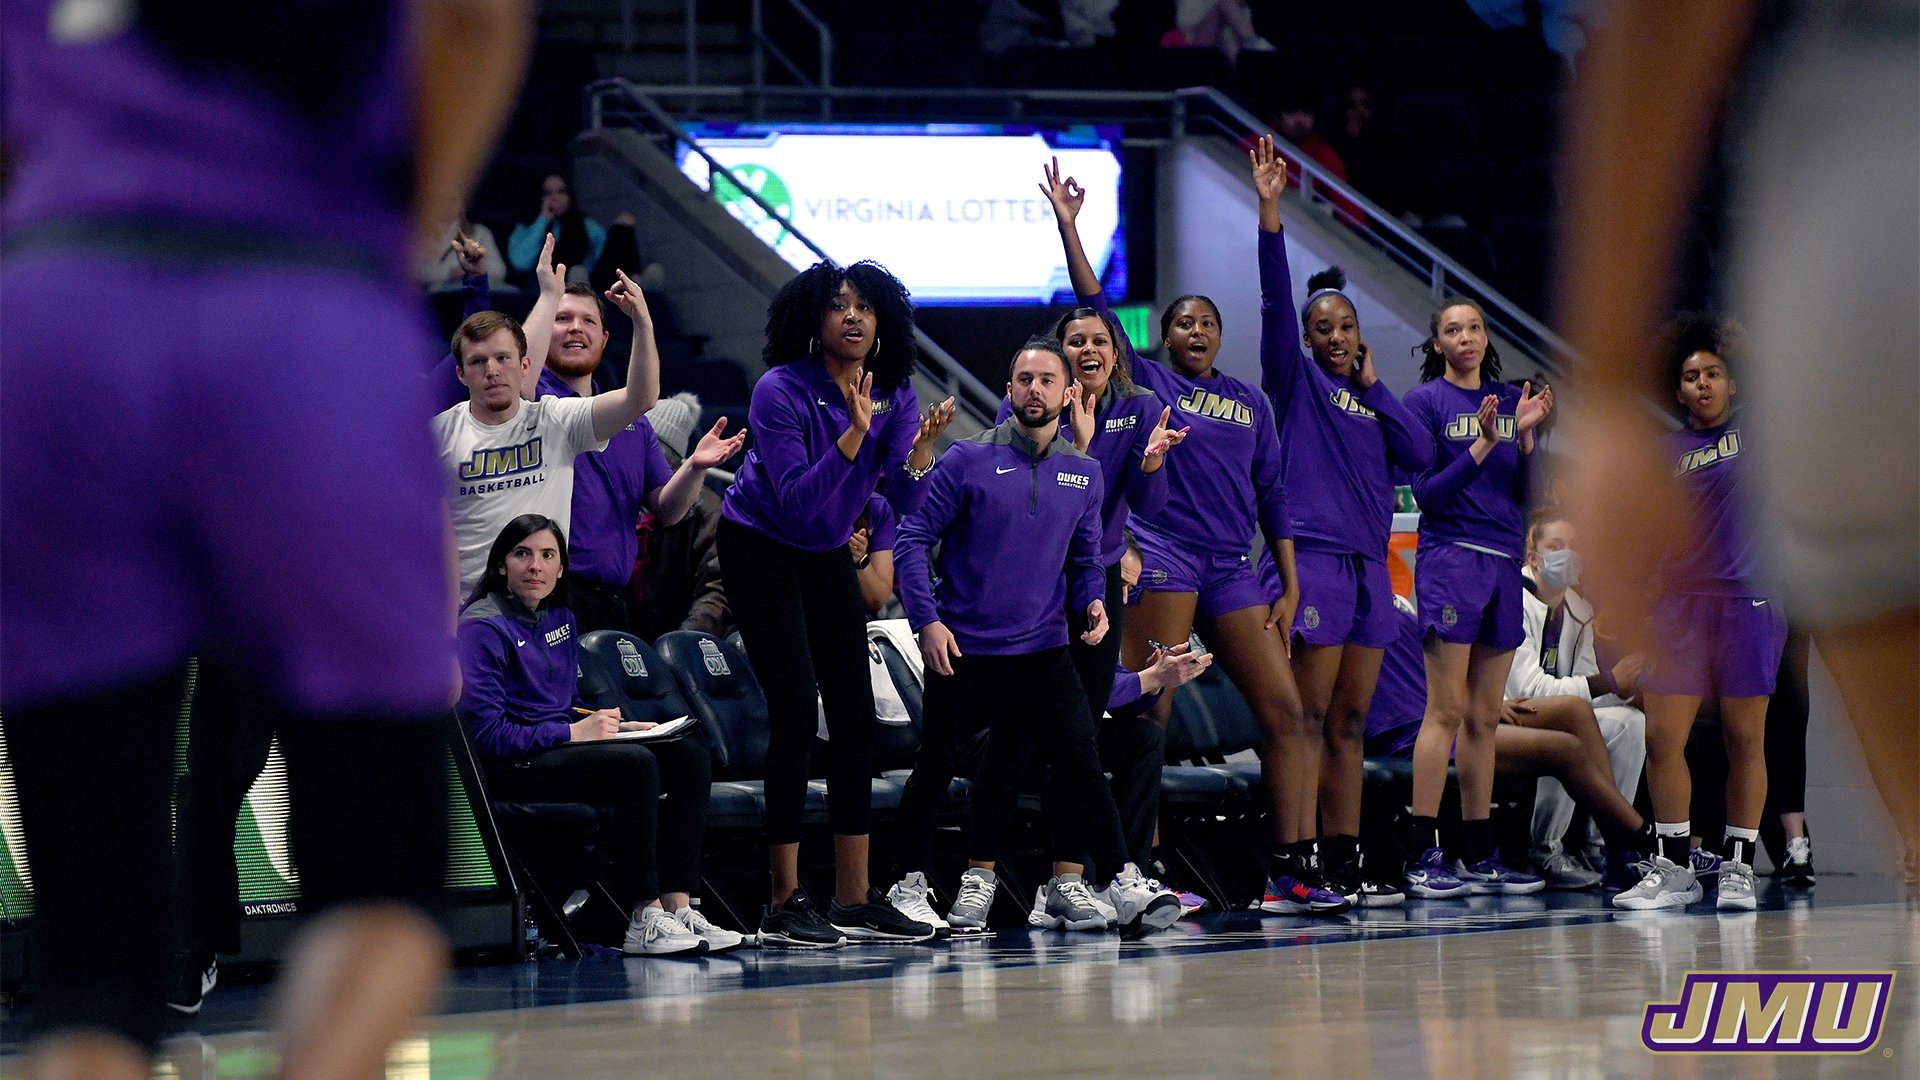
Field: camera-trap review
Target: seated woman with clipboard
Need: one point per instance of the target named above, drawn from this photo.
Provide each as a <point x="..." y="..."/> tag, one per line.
<point x="518" y="664"/>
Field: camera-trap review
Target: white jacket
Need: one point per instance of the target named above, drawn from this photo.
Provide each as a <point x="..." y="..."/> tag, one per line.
<point x="1576" y="659"/>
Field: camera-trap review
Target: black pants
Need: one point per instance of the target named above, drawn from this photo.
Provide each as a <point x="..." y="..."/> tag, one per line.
<point x="805" y="629"/>
<point x="1031" y="703"/>
<point x="229" y="733"/>
<point x="655" y="842"/>
<point x="1787" y="731"/>
<point x="1132" y="749"/>
<point x="368" y="822"/>
<point x="597" y="607"/>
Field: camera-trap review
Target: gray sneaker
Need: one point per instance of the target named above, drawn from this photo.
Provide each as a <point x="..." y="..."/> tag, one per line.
<point x="1664" y="886"/>
<point x="1561" y="870"/>
<point x="1736" y="887"/>
<point x="1067" y="904"/>
<point x="1140" y="904"/>
<point x="975" y="902"/>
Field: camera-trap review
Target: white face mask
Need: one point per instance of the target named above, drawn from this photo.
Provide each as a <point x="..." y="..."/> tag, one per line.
<point x="1560" y="569"/>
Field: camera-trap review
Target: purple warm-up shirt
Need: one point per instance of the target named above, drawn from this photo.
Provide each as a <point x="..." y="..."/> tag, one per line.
<point x="1018" y="526"/>
<point x="796" y="486"/>
<point x="1337" y="441"/>
<point x="1226" y="475"/>
<point x="1720" y="557"/>
<point x="518" y="670"/>
<point x="1478" y="504"/>
<point x="610" y="490"/>
<point x="1124" y="419"/>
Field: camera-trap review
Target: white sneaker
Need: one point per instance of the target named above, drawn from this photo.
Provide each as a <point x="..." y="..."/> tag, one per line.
<point x="656" y="933"/>
<point x="718" y="940"/>
<point x="1736" y="887"/>
<point x="1140" y="906"/>
<point x="975" y="902"/>
<point x="1665" y="885"/>
<point x="910" y="897"/>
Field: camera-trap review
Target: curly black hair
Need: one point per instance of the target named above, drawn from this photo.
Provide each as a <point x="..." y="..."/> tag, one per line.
<point x="1122" y="367"/>
<point x="1433" y="364"/>
<point x="793" y="318"/>
<point x="1698" y="331"/>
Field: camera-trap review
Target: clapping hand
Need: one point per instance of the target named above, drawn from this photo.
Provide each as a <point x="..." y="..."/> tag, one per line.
<point x="932" y="424"/>
<point x="712" y="449"/>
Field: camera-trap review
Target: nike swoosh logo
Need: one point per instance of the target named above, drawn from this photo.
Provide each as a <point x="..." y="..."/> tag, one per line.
<point x="1759" y="603"/>
<point x="820" y="401"/>
<point x="1001" y="472"/>
<point x="517" y="644"/>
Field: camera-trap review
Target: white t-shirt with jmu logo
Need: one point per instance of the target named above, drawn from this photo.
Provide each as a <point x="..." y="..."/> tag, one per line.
<point x="497" y="472"/>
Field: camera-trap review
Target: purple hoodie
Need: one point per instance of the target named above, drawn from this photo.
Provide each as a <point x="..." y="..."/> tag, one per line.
<point x="1337" y="443"/>
<point x="1125" y="418"/>
<point x="1483" y="504"/>
<point x="1009" y="517"/>
<point x="796" y="487"/>
<point x="1226" y="475"/>
<point x="610" y="489"/>
<point x="518" y="670"/>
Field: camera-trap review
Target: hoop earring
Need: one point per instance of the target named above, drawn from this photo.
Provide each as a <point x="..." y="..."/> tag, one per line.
<point x="875" y="351"/>
<point x="813" y="346"/>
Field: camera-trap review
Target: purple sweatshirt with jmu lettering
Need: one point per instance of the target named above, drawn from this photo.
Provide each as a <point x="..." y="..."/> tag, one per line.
<point x="1462" y="501"/>
<point x="1018" y="526"/>
<point x="1226" y="475"/>
<point x="1124" y="418"/>
<point x="610" y="490"/>
<point x="1337" y="441"/>
<point x="796" y="486"/>
<point x="1720" y="557"/>
<point x="518" y="671"/>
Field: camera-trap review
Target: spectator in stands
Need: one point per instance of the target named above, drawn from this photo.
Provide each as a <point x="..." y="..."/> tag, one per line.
<point x="507" y="451"/>
<point x="1223" y="24"/>
<point x="1375" y="165"/>
<point x="872" y="551"/>
<point x="1717" y="633"/>
<point x="519" y="655"/>
<point x="467" y="249"/>
<point x="578" y="238"/>
<point x="1473" y="505"/>
<point x="1559" y="658"/>
<point x="631" y="476"/>
<point x="676" y="572"/>
<point x="1222" y="489"/>
<point x="822" y="444"/>
<point x="1532" y="739"/>
<point x="1014" y="558"/>
<point x="623" y="249"/>
<point x="1294" y="118"/>
<point x="1343" y="433"/>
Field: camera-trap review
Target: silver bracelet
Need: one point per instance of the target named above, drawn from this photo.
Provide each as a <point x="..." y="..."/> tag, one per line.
<point x="918" y="474"/>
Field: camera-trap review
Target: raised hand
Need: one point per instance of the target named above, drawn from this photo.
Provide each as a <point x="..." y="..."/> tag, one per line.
<point x="712" y="449"/>
<point x="626" y="296"/>
<point x="471" y="253"/>
<point x="549" y="276"/>
<point x="1065" y="195"/>
<point x="858" y="393"/>
<point x="1080" y="420"/>
<point x="1096" y="622"/>
<point x="932" y="424"/>
<point x="1160" y="439"/>
<point x="1269" y="170"/>
<point x="938" y="648"/>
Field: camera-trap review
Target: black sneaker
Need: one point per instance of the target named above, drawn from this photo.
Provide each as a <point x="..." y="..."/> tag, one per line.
<point x="797" y="924"/>
<point x="877" y="921"/>
<point x="193" y="979"/>
<point x="1797" y="870"/>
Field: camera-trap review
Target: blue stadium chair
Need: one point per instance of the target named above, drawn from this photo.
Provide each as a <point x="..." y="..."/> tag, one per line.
<point x="619" y="671"/>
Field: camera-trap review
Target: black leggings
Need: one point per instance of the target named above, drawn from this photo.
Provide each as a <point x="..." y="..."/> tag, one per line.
<point x="1033" y="702"/>
<point x="368" y="822"/>
<point x="1787" y="730"/>
<point x="229" y="734"/>
<point x="805" y="629"/>
<point x="655" y="841"/>
<point x="1131" y="748"/>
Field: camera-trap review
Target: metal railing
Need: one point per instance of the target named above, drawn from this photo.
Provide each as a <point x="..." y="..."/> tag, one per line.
<point x="763" y="45"/>
<point x="1147" y="118"/>
<point x="936" y="363"/>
